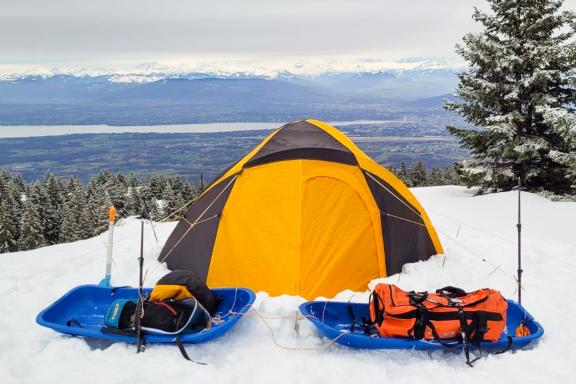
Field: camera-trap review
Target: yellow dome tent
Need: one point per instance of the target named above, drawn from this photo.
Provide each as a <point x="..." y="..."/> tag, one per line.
<point x="305" y="213"/>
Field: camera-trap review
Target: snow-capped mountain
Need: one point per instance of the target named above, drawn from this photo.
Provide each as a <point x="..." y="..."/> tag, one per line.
<point x="269" y="69"/>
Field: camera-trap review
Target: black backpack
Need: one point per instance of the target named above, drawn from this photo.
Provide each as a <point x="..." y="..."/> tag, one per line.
<point x="165" y="317"/>
<point x="181" y="284"/>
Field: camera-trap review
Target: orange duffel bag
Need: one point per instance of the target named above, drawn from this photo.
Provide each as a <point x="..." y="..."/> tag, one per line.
<point x="450" y="313"/>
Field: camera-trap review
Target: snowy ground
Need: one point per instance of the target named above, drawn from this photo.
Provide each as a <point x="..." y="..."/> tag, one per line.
<point x="478" y="234"/>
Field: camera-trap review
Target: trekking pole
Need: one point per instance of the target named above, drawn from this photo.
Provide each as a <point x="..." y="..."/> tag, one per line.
<point x="519" y="188"/>
<point x="140" y="306"/>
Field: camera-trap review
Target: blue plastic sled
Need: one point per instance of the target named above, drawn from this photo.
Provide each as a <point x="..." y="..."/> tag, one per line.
<point x="334" y="319"/>
<point x="87" y="304"/>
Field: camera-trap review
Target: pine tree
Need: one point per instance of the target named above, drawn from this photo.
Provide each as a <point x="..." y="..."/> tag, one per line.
<point x="189" y="192"/>
<point x="31" y="229"/>
<point x="402" y="174"/>
<point x="76" y="220"/>
<point x="169" y="204"/>
<point x="54" y="192"/>
<point x="5" y="184"/>
<point x="157" y="185"/>
<point x="450" y="177"/>
<point x="154" y="207"/>
<point x="117" y="190"/>
<point x="522" y="66"/>
<point x="7" y="230"/>
<point x="436" y="177"/>
<point x="417" y="174"/>
<point x="133" y="203"/>
<point x="37" y="196"/>
<point x="12" y="205"/>
<point x="70" y="229"/>
<point x="97" y="203"/>
<point x="177" y="184"/>
<point x="565" y="123"/>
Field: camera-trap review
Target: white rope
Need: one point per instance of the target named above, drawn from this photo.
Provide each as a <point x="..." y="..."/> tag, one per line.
<point x="179" y="209"/>
<point x="231" y="310"/>
<point x="202" y="221"/>
<point x="393" y="194"/>
<point x="402" y="218"/>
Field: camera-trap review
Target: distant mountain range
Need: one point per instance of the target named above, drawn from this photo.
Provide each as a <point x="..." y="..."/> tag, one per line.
<point x="173" y="98"/>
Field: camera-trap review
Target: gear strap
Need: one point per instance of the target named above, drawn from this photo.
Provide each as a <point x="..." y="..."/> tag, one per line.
<point x="183" y="350"/>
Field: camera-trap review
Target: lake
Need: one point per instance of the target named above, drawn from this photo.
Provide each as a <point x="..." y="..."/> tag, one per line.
<point x="7" y="131"/>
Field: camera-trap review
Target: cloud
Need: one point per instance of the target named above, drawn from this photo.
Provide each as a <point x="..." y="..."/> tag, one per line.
<point x="71" y="32"/>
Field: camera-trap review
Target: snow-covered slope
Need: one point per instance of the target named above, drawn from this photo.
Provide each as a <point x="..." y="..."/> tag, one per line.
<point x="478" y="234"/>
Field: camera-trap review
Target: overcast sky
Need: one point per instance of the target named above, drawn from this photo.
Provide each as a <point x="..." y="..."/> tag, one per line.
<point x="71" y="32"/>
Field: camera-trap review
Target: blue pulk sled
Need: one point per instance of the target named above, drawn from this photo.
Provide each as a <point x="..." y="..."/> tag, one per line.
<point x="81" y="311"/>
<point x="335" y="320"/>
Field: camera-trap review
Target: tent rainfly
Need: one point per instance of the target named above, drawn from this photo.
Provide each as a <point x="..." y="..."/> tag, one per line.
<point x="305" y="213"/>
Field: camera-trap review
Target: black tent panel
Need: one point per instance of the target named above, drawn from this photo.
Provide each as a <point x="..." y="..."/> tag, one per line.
<point x="302" y="140"/>
<point x="406" y="238"/>
<point x="191" y="243"/>
<point x="326" y="154"/>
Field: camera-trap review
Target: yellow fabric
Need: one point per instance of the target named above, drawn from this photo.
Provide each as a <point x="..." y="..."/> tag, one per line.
<point x="316" y="231"/>
<point x="339" y="239"/>
<point x="162" y="292"/>
<point x="257" y="240"/>
<point x="366" y="163"/>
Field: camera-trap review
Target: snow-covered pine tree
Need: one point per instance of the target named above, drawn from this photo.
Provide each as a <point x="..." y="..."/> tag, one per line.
<point x="188" y="192"/>
<point x="177" y="184"/>
<point x="5" y="183"/>
<point x="31" y="230"/>
<point x="169" y="203"/>
<point x="402" y="173"/>
<point x="450" y="177"/>
<point x="133" y="203"/>
<point x="97" y="202"/>
<point x="417" y="174"/>
<point x="37" y="195"/>
<point x="10" y="197"/>
<point x="7" y="230"/>
<point x="76" y="220"/>
<point x="55" y="193"/>
<point x="436" y="177"/>
<point x="565" y="123"/>
<point x="116" y="190"/>
<point x="157" y="184"/>
<point x="19" y="186"/>
<point x="521" y="67"/>
<point x="70" y="228"/>
<point x="154" y="209"/>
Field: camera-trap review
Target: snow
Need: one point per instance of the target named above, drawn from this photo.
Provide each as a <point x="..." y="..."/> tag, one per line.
<point x="479" y="236"/>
